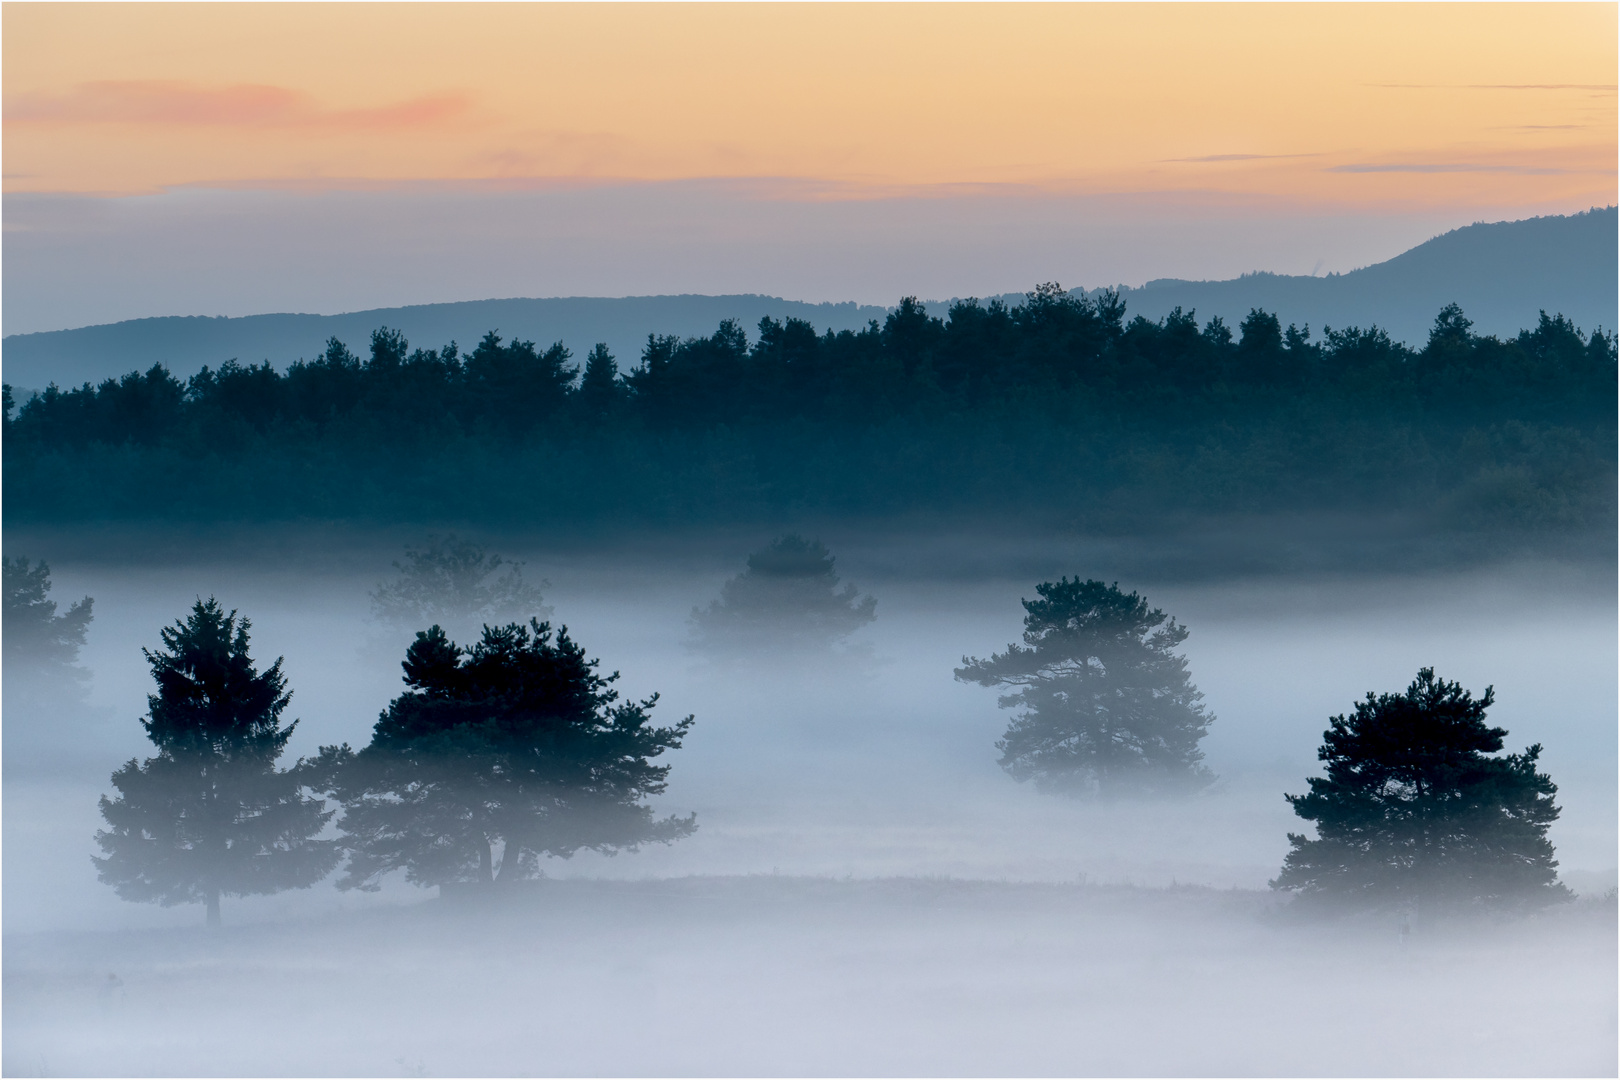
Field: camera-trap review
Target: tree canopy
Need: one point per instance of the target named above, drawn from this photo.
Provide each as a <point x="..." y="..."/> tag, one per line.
<point x="211" y="815"/>
<point x="1416" y="808"/>
<point x="496" y="754"/>
<point x="1105" y="705"/>
<point x="449" y="580"/>
<point x="788" y="597"/>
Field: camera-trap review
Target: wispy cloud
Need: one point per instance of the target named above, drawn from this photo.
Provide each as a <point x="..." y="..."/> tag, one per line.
<point x="153" y="102"/>
<point x="1610" y="87"/>
<point x="1211" y="158"/>
<point x="1446" y="167"/>
<point x="1606" y="87"/>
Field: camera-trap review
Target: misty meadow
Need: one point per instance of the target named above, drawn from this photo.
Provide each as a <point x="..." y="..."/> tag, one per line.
<point x="785" y="804"/>
<point x="810" y="540"/>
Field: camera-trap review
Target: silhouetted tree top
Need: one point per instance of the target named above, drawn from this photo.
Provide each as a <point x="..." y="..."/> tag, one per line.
<point x="1415" y="809"/>
<point x="388" y="349"/>
<point x="37" y="639"/>
<point x="449" y="580"/>
<point x="789" y="596"/>
<point x="211" y="815"/>
<point x="600" y="387"/>
<point x="210" y="695"/>
<point x="515" y="743"/>
<point x="1106" y="705"/>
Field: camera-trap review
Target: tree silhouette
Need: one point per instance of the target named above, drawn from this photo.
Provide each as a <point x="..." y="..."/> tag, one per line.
<point x="211" y="815"/>
<point x="39" y="643"/>
<point x="1414" y="809"/>
<point x="600" y="388"/>
<point x="499" y="753"/>
<point x="1106" y="706"/>
<point x="450" y="581"/>
<point x="515" y="384"/>
<point x="787" y="597"/>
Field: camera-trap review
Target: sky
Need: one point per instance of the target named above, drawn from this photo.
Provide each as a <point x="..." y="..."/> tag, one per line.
<point x="237" y="158"/>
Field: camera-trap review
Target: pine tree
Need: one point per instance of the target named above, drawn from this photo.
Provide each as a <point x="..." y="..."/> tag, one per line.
<point x="38" y="641"/>
<point x="787" y="597"/>
<point x="599" y="385"/>
<point x="1414" y="809"/>
<point x="1106" y="706"/>
<point x="211" y="815"/>
<point x="499" y="753"/>
<point x="48" y="717"/>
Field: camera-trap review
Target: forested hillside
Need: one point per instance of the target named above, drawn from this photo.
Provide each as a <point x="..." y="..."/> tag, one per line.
<point x="1061" y="409"/>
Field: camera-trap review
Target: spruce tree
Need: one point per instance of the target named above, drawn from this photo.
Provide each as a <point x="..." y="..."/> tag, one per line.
<point x="600" y="388"/>
<point x="499" y="753"/>
<point x="211" y="815"/>
<point x="1414" y="808"/>
<point x="1105" y="705"/>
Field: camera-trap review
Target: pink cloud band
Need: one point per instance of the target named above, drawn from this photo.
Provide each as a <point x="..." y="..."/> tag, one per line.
<point x="155" y="102"/>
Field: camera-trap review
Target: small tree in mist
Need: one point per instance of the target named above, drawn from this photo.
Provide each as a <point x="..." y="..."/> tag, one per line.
<point x="40" y="644"/>
<point x="1105" y="704"/>
<point x="498" y="753"/>
<point x="1414" y="808"/>
<point x="788" y="597"/>
<point x="449" y="581"/>
<point x="211" y="815"/>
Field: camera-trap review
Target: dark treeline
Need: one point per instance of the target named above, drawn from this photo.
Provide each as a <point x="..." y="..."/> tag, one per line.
<point x="1060" y="407"/>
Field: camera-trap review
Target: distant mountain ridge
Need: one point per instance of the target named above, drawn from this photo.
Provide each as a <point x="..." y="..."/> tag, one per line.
<point x="1502" y="274"/>
<point x="185" y="343"/>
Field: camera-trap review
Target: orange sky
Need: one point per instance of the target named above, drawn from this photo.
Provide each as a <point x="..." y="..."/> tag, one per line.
<point x="1361" y="106"/>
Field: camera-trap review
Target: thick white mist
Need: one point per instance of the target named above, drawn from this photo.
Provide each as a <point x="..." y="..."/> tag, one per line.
<point x="824" y="780"/>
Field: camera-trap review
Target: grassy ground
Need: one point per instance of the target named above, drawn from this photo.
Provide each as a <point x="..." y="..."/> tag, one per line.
<point x="769" y="975"/>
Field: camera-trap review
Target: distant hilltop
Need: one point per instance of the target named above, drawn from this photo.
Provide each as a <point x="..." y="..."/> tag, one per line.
<point x="184" y="344"/>
<point x="1502" y="275"/>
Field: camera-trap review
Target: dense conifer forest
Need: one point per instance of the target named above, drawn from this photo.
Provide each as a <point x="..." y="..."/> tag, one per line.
<point x="1059" y="410"/>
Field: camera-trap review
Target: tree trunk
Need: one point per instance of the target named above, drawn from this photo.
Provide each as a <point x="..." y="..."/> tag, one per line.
<point x="486" y="864"/>
<point x="511" y="852"/>
<point x="213" y="907"/>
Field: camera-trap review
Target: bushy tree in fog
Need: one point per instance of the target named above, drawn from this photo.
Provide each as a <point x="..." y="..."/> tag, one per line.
<point x="450" y="581"/>
<point x="211" y="815"/>
<point x="1415" y="808"/>
<point x="498" y="753"/>
<point x="1104" y="704"/>
<point x="788" y="597"/>
<point x="39" y="643"/>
